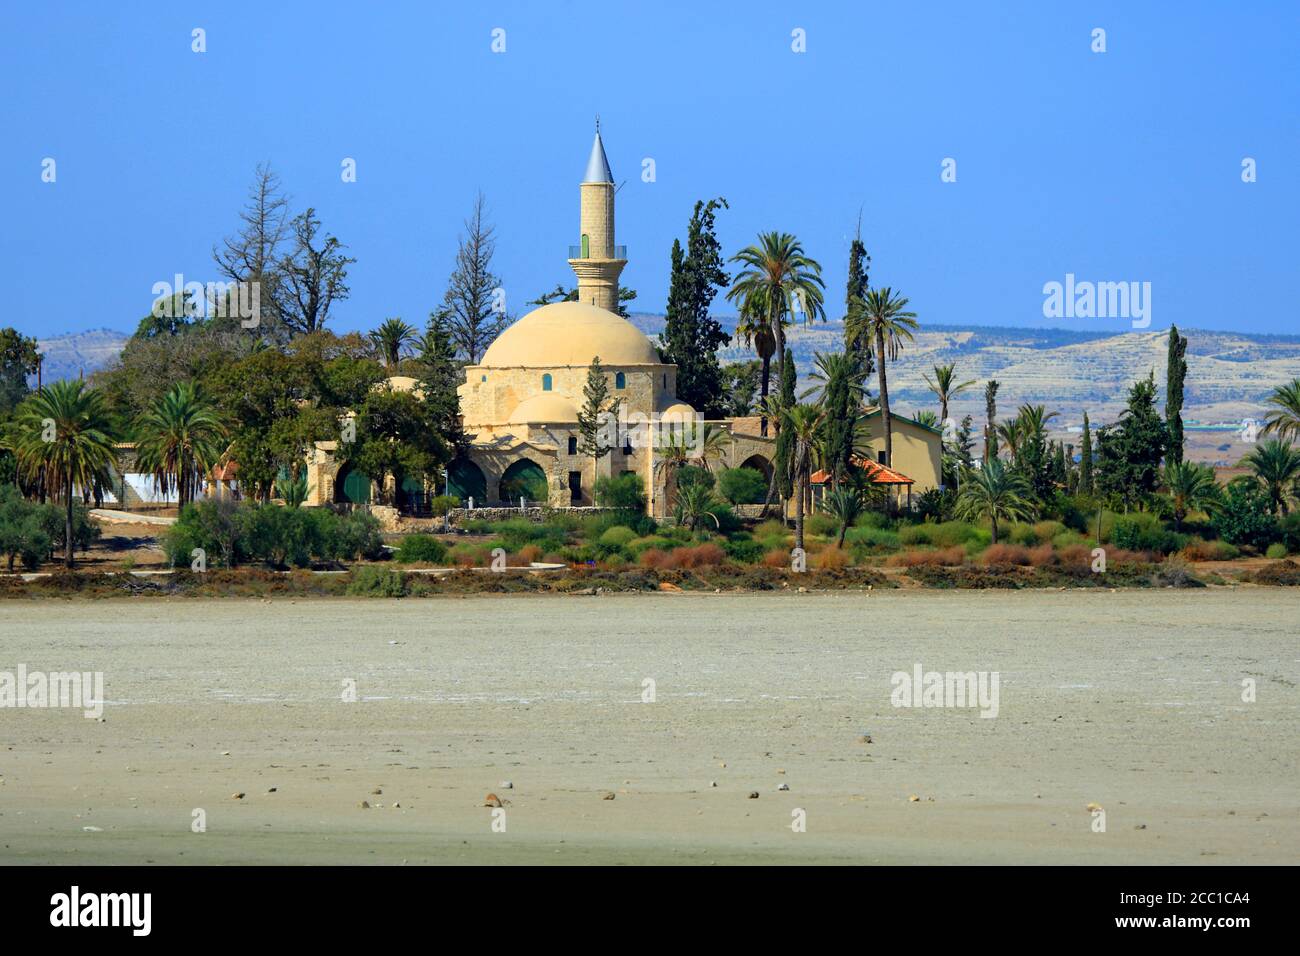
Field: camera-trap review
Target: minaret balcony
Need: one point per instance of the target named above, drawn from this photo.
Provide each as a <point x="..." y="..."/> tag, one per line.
<point x="575" y="252"/>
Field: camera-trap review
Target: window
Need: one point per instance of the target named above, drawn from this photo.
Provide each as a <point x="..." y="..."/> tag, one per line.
<point x="546" y="382"/>
<point x="627" y="448"/>
<point x="573" y="445"/>
<point x="665" y="379"/>
<point x="575" y="486"/>
<point x="483" y="379"/>
<point x="586" y="247"/>
<point x="620" y="380"/>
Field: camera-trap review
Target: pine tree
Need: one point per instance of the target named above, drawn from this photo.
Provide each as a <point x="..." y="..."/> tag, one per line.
<point x="1129" y="463"/>
<point x="1085" y="459"/>
<point x="593" y="423"/>
<point x="1175" y="376"/>
<point x="440" y="374"/>
<point x="690" y="338"/>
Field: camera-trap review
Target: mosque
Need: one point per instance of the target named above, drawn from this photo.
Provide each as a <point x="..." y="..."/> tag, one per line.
<point x="520" y="402"/>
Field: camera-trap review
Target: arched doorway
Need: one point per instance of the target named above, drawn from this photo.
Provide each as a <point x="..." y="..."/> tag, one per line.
<point x="351" y="486"/>
<point x="524" y="479"/>
<point x="764" y="467"/>
<point x="465" y="480"/>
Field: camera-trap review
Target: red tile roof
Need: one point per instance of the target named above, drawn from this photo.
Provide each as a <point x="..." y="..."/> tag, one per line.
<point x="878" y="473"/>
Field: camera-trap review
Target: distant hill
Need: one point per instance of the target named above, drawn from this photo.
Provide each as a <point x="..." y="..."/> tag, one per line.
<point x="67" y="356"/>
<point x="1229" y="373"/>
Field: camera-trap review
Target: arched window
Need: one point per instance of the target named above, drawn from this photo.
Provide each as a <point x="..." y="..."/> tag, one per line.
<point x="586" y="246"/>
<point x="546" y="382"/>
<point x="665" y="379"/>
<point x="620" y="380"/>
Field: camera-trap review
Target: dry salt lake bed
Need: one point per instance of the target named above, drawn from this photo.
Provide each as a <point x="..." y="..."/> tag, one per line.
<point x="1131" y="700"/>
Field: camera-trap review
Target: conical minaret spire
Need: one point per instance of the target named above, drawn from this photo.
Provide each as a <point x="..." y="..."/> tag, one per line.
<point x="599" y="261"/>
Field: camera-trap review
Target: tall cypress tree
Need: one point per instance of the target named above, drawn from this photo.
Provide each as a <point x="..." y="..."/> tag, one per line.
<point x="991" y="416"/>
<point x="1085" y="459"/>
<point x="591" y="428"/>
<point x="690" y="338"/>
<point x="1175" y="376"/>
<point x="854" y="292"/>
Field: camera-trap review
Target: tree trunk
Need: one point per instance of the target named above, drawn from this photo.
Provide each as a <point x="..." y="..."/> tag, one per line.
<point x="994" y="519"/>
<point x="798" y="511"/>
<point x="67" y="528"/>
<point x="767" y="378"/>
<point x="885" y="419"/>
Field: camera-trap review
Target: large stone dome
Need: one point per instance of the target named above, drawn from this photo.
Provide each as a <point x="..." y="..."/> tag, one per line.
<point x="569" y="334"/>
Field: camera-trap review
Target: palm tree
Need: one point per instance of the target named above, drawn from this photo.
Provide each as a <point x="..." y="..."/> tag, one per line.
<point x="944" y="388"/>
<point x="392" y="336"/>
<point x="294" y="491"/>
<point x="1286" y="420"/>
<point x="845" y="504"/>
<point x="805" y="423"/>
<point x="1276" y="465"/>
<point x="1032" y="422"/>
<point x="1191" y="487"/>
<point x="994" y="492"/>
<point x="62" y="441"/>
<point x="695" y="503"/>
<point x="882" y="318"/>
<point x="179" y="440"/>
<point x="687" y="443"/>
<point x="781" y="281"/>
<point x="1009" y="435"/>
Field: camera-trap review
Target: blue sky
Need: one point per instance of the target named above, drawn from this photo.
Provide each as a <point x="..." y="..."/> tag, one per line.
<point x="1115" y="166"/>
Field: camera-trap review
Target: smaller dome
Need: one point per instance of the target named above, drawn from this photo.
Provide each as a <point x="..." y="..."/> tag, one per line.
<point x="677" y="411"/>
<point x="400" y="383"/>
<point x="544" y="409"/>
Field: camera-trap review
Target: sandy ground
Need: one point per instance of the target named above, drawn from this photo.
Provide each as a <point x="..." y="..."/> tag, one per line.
<point x="1129" y="699"/>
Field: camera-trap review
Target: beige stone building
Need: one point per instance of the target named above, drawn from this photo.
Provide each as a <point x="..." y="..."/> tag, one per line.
<point x="520" y="403"/>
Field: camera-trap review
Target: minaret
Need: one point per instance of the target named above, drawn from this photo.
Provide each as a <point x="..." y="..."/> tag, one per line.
<point x="598" y="261"/>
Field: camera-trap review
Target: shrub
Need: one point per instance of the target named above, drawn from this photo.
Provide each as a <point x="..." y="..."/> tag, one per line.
<point x="1276" y="551"/>
<point x="441" y="504"/>
<point x="624" y="492"/>
<point x="466" y="555"/>
<point x="22" y="531"/>
<point x="1005" y="554"/>
<point x="370" y="581"/>
<point x="777" y="558"/>
<point x="514" y="533"/>
<point x="831" y="559"/>
<point x="1175" y="573"/>
<point x="740" y="486"/>
<point x="941" y="535"/>
<point x="1244" y="517"/>
<point x="619" y="536"/>
<point x="869" y="538"/>
<point x="743" y="549"/>
<point x="1200" y="550"/>
<point x="1288" y="532"/>
<point x="639" y="545"/>
<point x="821" y="525"/>
<point x="947" y="557"/>
<point x="701" y="555"/>
<point x="422" y="548"/>
<point x="1143" y="531"/>
<point x="688" y="476"/>
<point x="654" y="558"/>
<point x="352" y="536"/>
<point x="1279" y="573"/>
<point x="529" y="554"/>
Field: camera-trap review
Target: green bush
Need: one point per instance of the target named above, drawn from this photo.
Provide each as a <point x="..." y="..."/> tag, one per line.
<point x="1276" y="550"/>
<point x="820" y="524"/>
<point x="945" y="534"/>
<point x="646" y="542"/>
<point x="421" y="548"/>
<point x="1143" y="531"/>
<point x="743" y="549"/>
<point x="352" y="536"/>
<point x="624" y="492"/>
<point x="689" y="475"/>
<point x="1245" y="516"/>
<point x="870" y="539"/>
<point x="22" y="530"/>
<point x="441" y="504"/>
<point x="517" y="532"/>
<point x="1288" y="532"/>
<point x="370" y="581"/>
<point x="742" y="486"/>
<point x="619" y="536"/>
